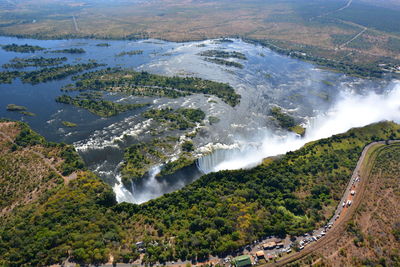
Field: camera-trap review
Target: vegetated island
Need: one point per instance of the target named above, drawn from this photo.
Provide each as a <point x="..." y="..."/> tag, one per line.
<point x="224" y="62"/>
<point x="129" y="53"/>
<point x="286" y="121"/>
<point x="20" y="109"/>
<point x="218" y="214"/>
<point x="100" y="107"/>
<point x="46" y="74"/>
<point x="139" y="158"/>
<point x="213" y="120"/>
<point x="146" y="84"/>
<point x="69" y="51"/>
<point x="14" y="107"/>
<point x="103" y="45"/>
<point x="19" y="63"/>
<point x="22" y="48"/>
<point x="7" y="77"/>
<point x="223" y="54"/>
<point x="69" y="124"/>
<point x="182" y="118"/>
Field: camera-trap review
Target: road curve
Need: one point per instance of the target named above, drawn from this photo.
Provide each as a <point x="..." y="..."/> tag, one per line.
<point x="341" y="224"/>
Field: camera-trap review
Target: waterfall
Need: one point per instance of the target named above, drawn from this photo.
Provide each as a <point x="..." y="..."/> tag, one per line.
<point x="148" y="187"/>
<point x="122" y="194"/>
<point x="212" y="162"/>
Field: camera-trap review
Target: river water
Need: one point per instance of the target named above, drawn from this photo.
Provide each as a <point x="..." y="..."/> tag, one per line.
<point x="325" y="102"/>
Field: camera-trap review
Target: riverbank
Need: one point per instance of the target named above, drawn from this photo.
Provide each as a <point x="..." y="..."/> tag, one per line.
<point x="375" y="70"/>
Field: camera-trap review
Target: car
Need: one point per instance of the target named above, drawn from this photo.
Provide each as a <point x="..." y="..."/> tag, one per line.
<point x="301" y="247"/>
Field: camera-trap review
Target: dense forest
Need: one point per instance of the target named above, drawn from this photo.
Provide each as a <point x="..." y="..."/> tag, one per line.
<point x="146" y="84"/>
<point x="219" y="213"/>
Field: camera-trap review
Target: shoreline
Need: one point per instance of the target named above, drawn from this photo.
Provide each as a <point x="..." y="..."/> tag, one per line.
<point x="354" y="70"/>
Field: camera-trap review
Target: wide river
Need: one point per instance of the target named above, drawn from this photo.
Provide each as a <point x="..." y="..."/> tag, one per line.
<point x="324" y="102"/>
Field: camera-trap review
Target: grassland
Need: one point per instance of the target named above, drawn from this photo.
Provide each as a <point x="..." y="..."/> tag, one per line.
<point x="319" y="28"/>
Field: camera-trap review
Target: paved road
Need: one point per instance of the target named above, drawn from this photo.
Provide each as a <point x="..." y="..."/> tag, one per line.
<point x="352" y="39"/>
<point x="331" y="12"/>
<point x="340" y="225"/>
<point x="346" y="6"/>
<point x="75" y="24"/>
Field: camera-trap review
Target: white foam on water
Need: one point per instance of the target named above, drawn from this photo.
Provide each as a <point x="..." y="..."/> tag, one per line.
<point x="349" y="111"/>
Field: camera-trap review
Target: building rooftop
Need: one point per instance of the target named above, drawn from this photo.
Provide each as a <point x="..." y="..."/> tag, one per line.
<point x="241" y="261"/>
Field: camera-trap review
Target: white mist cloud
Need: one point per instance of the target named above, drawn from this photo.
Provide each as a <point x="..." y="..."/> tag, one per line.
<point x="348" y="112"/>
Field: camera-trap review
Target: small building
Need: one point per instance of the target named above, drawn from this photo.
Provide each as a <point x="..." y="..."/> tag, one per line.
<point x="260" y="254"/>
<point x="269" y="245"/>
<point x="270" y="257"/>
<point x="280" y="245"/>
<point x="242" y="261"/>
<point x="139" y="244"/>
